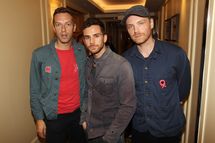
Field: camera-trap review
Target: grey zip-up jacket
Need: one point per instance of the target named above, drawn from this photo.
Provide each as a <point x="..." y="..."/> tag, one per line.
<point x="111" y="96"/>
<point x="45" y="79"/>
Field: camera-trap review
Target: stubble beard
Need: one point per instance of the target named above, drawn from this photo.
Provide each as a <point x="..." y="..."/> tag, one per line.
<point x="98" y="50"/>
<point x="142" y="39"/>
<point x="65" y="39"/>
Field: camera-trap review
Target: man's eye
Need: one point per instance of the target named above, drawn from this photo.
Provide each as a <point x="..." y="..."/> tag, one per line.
<point x="86" y="37"/>
<point x="69" y="24"/>
<point x="97" y="35"/>
<point x="57" y="24"/>
<point x="129" y="26"/>
<point x="141" y="22"/>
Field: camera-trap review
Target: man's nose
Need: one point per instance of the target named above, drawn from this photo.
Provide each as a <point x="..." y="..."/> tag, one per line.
<point x="92" y="40"/>
<point x="63" y="28"/>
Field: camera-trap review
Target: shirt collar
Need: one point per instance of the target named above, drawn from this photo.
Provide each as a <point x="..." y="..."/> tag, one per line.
<point x="156" y="51"/>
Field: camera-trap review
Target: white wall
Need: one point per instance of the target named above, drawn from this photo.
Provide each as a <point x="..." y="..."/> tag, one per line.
<point x="20" y="26"/>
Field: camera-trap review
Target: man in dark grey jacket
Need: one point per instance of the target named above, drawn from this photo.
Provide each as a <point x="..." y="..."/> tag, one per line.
<point x="111" y="92"/>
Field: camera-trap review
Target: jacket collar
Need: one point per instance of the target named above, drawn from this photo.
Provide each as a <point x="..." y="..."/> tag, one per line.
<point x="104" y="56"/>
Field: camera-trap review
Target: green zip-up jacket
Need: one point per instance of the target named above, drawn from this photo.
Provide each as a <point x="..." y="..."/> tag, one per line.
<point x="45" y="79"/>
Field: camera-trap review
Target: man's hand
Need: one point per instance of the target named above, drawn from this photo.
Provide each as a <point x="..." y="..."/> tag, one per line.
<point x="41" y="128"/>
<point x="101" y="140"/>
<point x="84" y="125"/>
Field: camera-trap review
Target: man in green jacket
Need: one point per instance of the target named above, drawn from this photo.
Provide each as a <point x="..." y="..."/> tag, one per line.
<point x="57" y="83"/>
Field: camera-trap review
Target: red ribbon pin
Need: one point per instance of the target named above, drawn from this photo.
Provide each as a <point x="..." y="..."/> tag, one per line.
<point x="48" y="69"/>
<point x="162" y="83"/>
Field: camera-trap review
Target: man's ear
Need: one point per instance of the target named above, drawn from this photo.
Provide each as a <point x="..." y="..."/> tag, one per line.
<point x="152" y="23"/>
<point x="105" y="38"/>
<point x="74" y="28"/>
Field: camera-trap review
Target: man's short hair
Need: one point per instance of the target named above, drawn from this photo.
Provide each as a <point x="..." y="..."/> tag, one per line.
<point x="61" y="10"/>
<point x="93" y="21"/>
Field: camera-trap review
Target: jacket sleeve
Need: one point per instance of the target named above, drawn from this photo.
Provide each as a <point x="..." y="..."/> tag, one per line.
<point x="35" y="88"/>
<point x="126" y="92"/>
<point x="84" y="105"/>
<point x="83" y="89"/>
<point x="183" y="75"/>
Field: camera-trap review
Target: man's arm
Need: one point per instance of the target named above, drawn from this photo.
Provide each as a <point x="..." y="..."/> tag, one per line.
<point x="35" y="89"/>
<point x="184" y="76"/>
<point x="35" y="95"/>
<point x="84" y="103"/>
<point x="84" y="107"/>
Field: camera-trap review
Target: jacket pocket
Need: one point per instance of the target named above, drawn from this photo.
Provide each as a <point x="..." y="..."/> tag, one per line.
<point x="105" y="85"/>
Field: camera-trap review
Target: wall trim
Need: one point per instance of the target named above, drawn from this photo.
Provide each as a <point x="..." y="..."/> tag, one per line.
<point x="206" y="114"/>
<point x="196" y="25"/>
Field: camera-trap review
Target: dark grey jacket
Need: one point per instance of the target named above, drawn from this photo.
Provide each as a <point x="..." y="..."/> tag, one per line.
<point x="111" y="96"/>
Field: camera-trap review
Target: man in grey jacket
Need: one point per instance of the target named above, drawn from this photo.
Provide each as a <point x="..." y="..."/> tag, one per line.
<point x="111" y="93"/>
